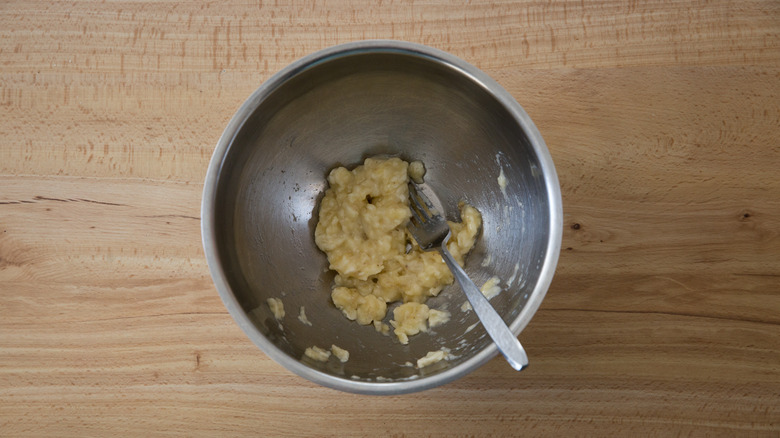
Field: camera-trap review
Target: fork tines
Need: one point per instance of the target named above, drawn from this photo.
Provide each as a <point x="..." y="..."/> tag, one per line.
<point x="423" y="210"/>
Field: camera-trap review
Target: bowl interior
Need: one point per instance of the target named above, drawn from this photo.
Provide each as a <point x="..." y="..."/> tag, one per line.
<point x="338" y="111"/>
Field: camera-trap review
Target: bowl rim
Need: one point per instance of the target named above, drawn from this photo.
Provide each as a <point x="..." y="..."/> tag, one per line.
<point x="208" y="213"/>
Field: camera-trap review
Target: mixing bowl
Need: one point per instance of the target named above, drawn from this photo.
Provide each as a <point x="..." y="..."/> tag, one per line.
<point x="337" y="107"/>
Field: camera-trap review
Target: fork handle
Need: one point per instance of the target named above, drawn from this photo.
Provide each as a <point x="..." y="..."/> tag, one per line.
<point x="506" y="341"/>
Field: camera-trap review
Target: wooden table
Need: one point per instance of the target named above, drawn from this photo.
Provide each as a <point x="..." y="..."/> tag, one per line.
<point x="663" y="119"/>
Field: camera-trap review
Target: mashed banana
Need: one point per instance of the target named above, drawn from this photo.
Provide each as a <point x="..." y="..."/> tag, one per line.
<point x="317" y="353"/>
<point x="277" y="307"/>
<point x="341" y="354"/>
<point x="433" y="357"/>
<point x="362" y="230"/>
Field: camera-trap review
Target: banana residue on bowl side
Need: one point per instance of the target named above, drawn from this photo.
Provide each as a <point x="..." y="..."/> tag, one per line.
<point x="433" y="357"/>
<point x="277" y="308"/>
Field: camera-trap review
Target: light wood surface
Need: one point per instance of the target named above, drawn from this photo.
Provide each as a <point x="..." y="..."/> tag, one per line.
<point x="663" y="119"/>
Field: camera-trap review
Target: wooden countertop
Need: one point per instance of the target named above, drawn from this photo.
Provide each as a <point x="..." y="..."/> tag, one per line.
<point x="663" y="119"/>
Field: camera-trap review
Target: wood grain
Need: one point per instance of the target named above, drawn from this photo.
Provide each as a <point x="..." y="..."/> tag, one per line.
<point x="663" y="120"/>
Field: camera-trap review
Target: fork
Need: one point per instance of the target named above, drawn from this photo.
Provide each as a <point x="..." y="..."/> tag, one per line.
<point x="431" y="232"/>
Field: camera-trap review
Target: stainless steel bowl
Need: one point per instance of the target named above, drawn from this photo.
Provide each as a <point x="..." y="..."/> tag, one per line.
<point x="335" y="108"/>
